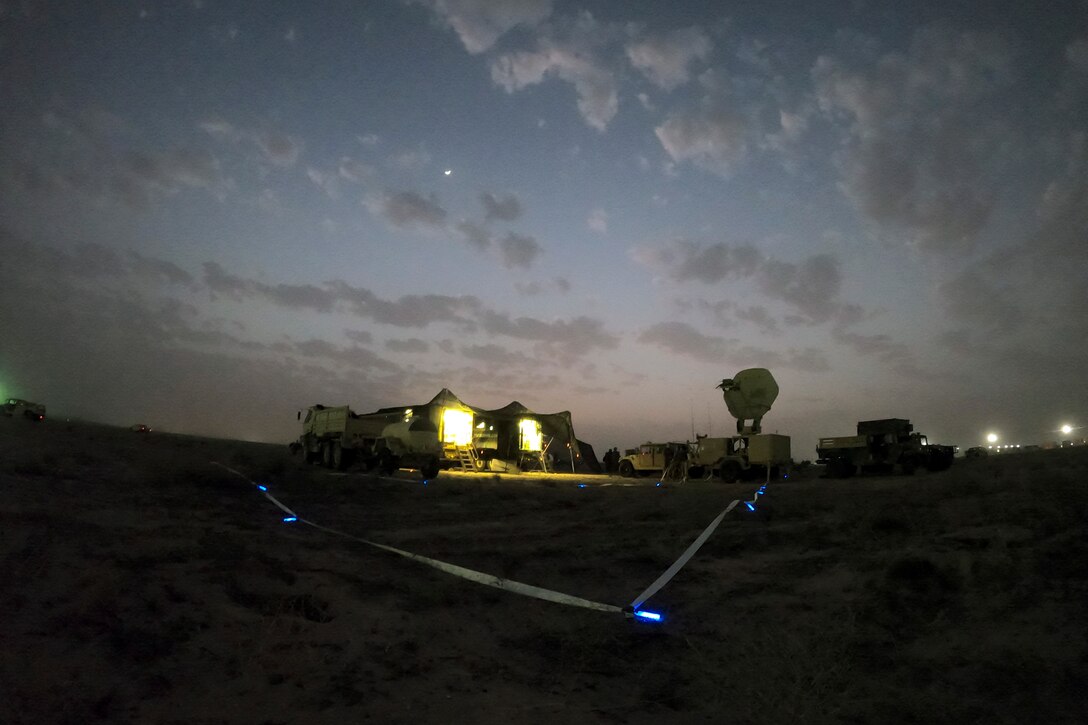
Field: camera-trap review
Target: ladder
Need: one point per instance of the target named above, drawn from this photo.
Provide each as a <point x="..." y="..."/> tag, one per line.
<point x="466" y="458"/>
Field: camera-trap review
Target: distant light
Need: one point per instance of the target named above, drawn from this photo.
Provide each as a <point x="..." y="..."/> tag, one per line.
<point x="991" y="437"/>
<point x="652" y="616"/>
<point x="1067" y="429"/>
<point x="290" y="519"/>
<point x="263" y="488"/>
<point x="581" y="485"/>
<point x="658" y="484"/>
<point x="447" y="172"/>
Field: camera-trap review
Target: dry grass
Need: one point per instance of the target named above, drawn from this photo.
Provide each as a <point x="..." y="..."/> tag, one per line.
<point x="151" y="586"/>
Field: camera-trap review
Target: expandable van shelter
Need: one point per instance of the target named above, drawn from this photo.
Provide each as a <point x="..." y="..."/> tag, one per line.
<point x="511" y="433"/>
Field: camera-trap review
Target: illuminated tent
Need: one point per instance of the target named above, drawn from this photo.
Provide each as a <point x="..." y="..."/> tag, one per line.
<point x="510" y="433"/>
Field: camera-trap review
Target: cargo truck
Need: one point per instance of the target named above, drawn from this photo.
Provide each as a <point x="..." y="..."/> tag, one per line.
<point x="881" y="446"/>
<point x="336" y="437"/>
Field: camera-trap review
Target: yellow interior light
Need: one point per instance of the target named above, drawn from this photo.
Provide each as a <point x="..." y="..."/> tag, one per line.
<point x="456" y="426"/>
<point x="531" y="438"/>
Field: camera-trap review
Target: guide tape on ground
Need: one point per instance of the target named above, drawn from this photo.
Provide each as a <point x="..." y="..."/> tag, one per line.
<point x="510" y="585"/>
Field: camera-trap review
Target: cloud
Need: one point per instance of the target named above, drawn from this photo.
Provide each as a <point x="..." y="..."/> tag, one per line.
<point x="811" y="287"/>
<point x="479" y="23"/>
<point x="497" y="355"/>
<point x="518" y="250"/>
<point x="90" y="157"/>
<point x="578" y="335"/>
<point x="760" y="317"/>
<point x="598" y="221"/>
<point x="711" y="139"/>
<point x="329" y="183"/>
<point x="237" y="288"/>
<point x="1077" y="54"/>
<point x="923" y="132"/>
<point x="363" y="337"/>
<point x="684" y="261"/>
<point x="529" y="289"/>
<point x="407" y="209"/>
<point x="353" y="171"/>
<point x="664" y="59"/>
<point x="475" y="234"/>
<point x="572" y="58"/>
<point x="279" y="148"/>
<point x="506" y="208"/>
<point x="411" y="344"/>
<point x="682" y="339"/>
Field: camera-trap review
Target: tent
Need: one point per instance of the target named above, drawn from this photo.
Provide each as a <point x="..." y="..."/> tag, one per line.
<point x="510" y="433"/>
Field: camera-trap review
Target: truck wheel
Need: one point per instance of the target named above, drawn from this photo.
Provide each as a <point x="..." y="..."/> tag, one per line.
<point x="627" y="470"/>
<point x="336" y="456"/>
<point x="908" y="465"/>
<point x="326" y="455"/>
<point x="429" y="469"/>
<point x="729" y="472"/>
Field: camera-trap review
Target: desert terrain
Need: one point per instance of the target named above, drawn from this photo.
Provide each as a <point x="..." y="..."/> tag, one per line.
<point x="144" y="584"/>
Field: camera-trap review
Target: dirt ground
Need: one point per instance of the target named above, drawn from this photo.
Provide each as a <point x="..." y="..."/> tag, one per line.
<point x="143" y="584"/>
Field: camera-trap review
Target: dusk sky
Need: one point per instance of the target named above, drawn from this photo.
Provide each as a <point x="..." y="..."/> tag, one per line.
<point x="213" y="214"/>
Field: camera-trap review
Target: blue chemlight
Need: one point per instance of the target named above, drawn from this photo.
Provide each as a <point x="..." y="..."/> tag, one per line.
<point x="263" y="488"/>
<point x="652" y="616"/>
<point x="658" y="484"/>
<point x="290" y="519"/>
<point x="581" y="485"/>
<point x="749" y="505"/>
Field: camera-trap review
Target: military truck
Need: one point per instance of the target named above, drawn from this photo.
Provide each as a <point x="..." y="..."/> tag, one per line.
<point x="651" y="458"/>
<point x="17" y="407"/>
<point x="742" y="457"/>
<point x="336" y="437"/>
<point x="881" y="446"/>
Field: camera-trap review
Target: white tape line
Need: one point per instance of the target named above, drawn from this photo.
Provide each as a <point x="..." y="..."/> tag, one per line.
<point x="490" y="580"/>
<point x="679" y="563"/>
<point x="286" y="510"/>
<point x="480" y="577"/>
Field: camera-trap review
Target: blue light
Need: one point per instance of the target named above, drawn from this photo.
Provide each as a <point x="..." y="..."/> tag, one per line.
<point x="658" y="484"/>
<point x="581" y="485"/>
<point x="652" y="616"/>
<point x="263" y="488"/>
<point x="749" y="505"/>
<point x="290" y="519"/>
<point x="424" y="481"/>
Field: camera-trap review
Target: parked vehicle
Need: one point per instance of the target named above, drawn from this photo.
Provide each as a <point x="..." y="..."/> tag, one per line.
<point x="336" y="437"/>
<point x="743" y="457"/>
<point x="881" y="446"/>
<point x="17" y="407"/>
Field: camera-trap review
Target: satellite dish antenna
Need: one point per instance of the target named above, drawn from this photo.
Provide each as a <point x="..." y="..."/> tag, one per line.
<point x="749" y="395"/>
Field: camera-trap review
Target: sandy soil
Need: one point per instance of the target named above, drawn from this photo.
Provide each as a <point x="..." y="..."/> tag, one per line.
<point x="145" y="585"/>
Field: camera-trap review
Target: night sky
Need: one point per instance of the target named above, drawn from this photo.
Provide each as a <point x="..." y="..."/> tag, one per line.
<point x="213" y="214"/>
